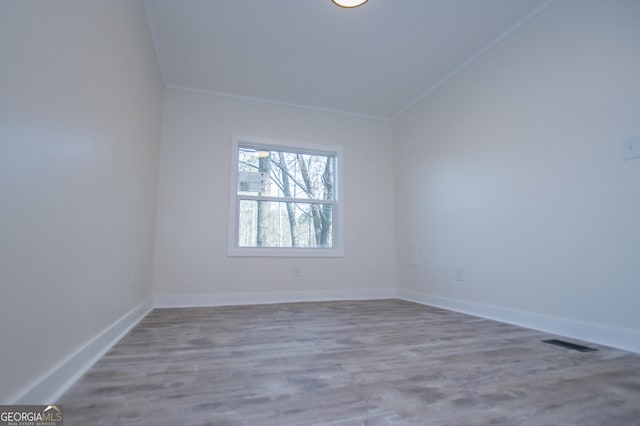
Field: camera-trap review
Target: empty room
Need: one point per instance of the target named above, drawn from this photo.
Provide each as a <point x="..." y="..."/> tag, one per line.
<point x="287" y="212"/>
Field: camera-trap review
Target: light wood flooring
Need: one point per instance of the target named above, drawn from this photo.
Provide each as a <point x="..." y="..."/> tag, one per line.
<point x="383" y="362"/>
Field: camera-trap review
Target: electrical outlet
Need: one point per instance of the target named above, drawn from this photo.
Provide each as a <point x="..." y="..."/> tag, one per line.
<point x="631" y="148"/>
<point x="459" y="273"/>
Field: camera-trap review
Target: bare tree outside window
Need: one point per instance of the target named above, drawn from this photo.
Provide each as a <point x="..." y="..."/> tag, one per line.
<point x="286" y="198"/>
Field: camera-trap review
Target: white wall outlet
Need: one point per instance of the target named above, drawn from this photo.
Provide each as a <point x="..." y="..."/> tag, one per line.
<point x="631" y="148"/>
<point x="459" y="273"/>
<point x="297" y="271"/>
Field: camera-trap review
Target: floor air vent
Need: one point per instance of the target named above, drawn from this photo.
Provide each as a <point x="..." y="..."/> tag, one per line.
<point x="568" y="345"/>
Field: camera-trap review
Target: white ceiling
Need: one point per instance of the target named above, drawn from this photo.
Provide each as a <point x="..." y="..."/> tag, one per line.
<point x="375" y="60"/>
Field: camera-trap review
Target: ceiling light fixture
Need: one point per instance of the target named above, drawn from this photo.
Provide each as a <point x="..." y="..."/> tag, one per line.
<point x="349" y="4"/>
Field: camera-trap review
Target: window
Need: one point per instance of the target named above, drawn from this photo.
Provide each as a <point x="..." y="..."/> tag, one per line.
<point x="284" y="199"/>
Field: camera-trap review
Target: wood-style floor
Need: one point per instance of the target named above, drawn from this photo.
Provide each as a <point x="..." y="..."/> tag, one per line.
<point x="384" y="362"/>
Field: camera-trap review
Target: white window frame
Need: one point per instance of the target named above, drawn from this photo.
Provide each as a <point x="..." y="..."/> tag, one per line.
<point x="233" y="249"/>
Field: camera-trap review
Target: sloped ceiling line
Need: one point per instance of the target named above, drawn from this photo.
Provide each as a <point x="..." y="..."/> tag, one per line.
<point x="313" y="55"/>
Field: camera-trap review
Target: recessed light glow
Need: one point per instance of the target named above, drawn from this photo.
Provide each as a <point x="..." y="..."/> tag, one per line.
<point x="349" y="3"/>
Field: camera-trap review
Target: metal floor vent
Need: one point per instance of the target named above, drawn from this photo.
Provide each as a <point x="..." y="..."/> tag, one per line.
<point x="569" y="345"/>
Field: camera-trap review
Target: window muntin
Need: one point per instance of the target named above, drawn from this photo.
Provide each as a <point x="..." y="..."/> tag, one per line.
<point x="285" y="199"/>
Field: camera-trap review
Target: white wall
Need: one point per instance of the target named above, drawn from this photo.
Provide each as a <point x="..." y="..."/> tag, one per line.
<point x="191" y="263"/>
<point x="513" y="170"/>
<point x="80" y="112"/>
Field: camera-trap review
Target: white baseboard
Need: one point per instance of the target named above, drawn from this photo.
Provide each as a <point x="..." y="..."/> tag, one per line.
<point x="625" y="339"/>
<point x="228" y="299"/>
<point x="54" y="383"/>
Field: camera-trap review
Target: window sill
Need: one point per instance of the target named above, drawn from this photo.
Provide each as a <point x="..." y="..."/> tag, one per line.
<point x="283" y="252"/>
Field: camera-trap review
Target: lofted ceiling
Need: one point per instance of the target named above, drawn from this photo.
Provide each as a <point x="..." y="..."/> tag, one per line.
<point x="375" y="60"/>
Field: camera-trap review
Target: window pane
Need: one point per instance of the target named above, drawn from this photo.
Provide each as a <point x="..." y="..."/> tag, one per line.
<point x="279" y="224"/>
<point x="277" y="173"/>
